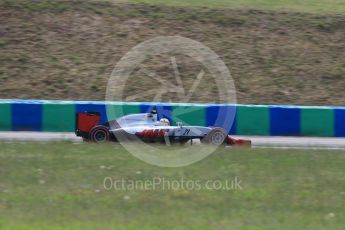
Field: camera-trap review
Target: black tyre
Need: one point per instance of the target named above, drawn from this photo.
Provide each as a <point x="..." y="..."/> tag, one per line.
<point x="99" y="134"/>
<point x="216" y="136"/>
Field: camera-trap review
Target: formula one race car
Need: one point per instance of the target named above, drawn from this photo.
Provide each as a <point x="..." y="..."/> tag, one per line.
<point x="146" y="127"/>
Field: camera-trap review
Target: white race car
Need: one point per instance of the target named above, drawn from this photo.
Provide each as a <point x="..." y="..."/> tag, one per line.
<point x="147" y="127"/>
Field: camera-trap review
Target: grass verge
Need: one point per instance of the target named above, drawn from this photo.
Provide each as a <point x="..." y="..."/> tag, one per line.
<point x="314" y="6"/>
<point x="60" y="186"/>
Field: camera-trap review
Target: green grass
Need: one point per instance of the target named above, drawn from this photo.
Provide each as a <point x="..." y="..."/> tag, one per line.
<point x="60" y="186"/>
<point x="310" y="6"/>
<point x="315" y="6"/>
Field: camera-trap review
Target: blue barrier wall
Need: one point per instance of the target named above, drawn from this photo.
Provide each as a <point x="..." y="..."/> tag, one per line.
<point x="59" y="116"/>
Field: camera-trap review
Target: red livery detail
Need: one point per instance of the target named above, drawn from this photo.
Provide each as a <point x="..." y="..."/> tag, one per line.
<point x="149" y="133"/>
<point x="86" y="121"/>
<point x="238" y="142"/>
<point x="156" y="133"/>
<point x="161" y="133"/>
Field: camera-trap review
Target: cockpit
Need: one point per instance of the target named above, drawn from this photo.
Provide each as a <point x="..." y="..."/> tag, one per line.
<point x="142" y="119"/>
<point x="137" y="119"/>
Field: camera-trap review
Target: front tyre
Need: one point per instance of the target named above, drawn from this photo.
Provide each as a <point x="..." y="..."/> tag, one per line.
<point x="216" y="136"/>
<point x="99" y="134"/>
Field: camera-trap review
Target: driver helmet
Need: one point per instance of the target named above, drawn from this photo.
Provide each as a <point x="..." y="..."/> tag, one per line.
<point x="164" y="121"/>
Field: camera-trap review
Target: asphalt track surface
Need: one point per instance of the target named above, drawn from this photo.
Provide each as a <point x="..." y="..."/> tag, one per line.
<point x="257" y="141"/>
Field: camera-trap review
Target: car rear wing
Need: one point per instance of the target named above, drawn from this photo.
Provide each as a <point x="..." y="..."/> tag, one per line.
<point x="85" y="121"/>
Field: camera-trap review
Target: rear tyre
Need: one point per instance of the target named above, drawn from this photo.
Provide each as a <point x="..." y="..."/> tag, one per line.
<point x="99" y="134"/>
<point x="216" y="136"/>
